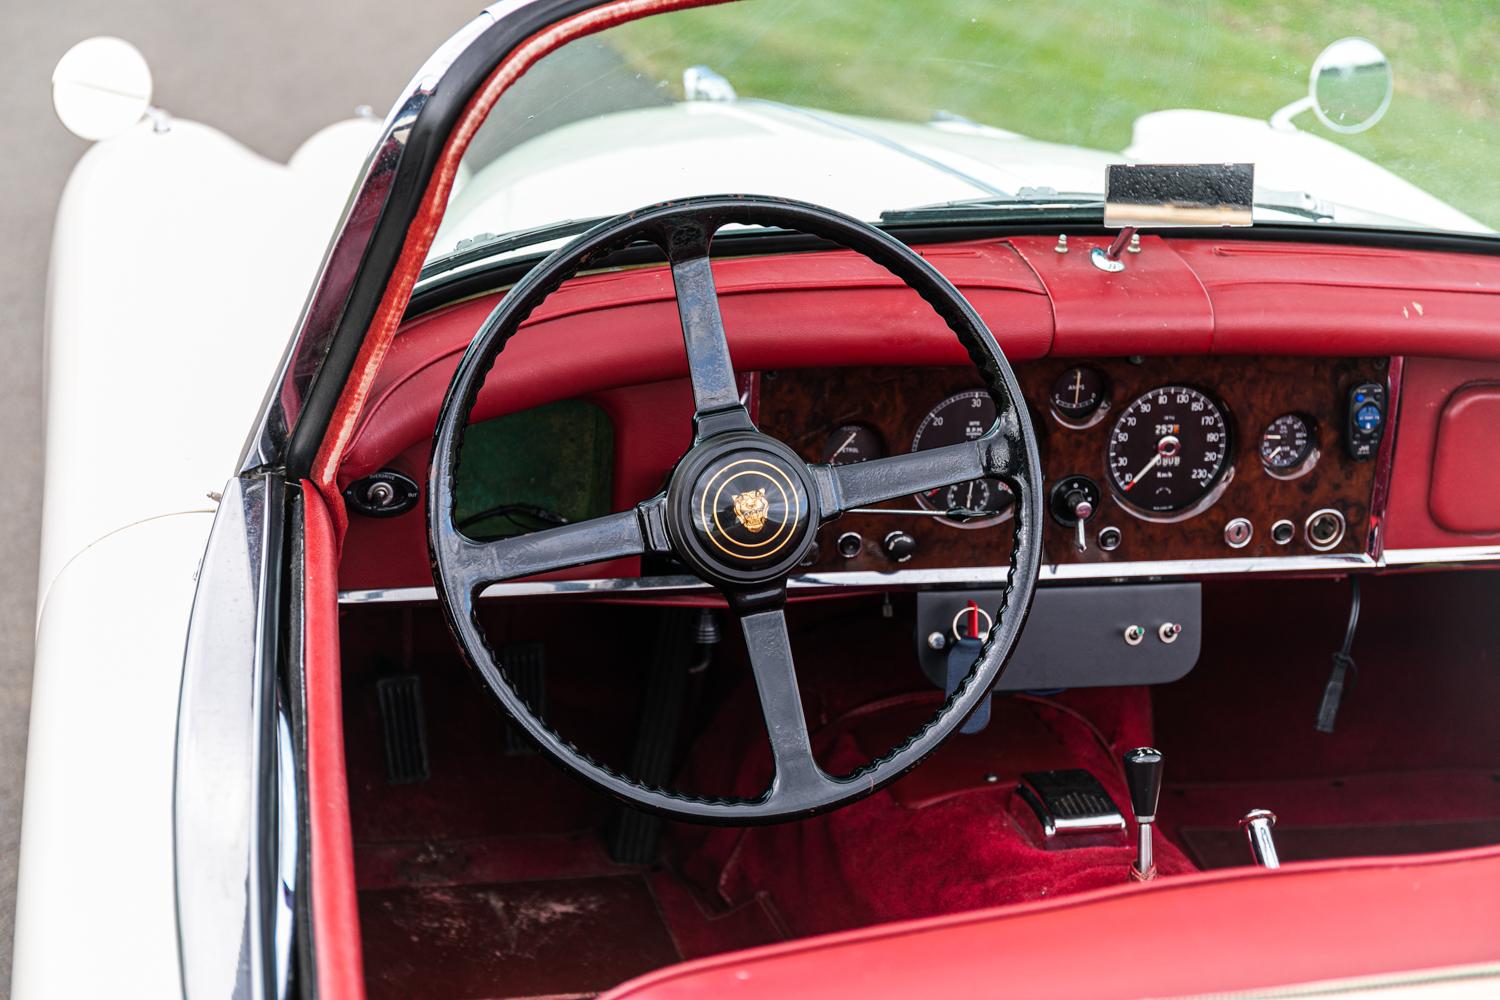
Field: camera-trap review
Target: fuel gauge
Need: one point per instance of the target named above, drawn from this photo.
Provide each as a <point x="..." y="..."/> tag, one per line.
<point x="850" y="443"/>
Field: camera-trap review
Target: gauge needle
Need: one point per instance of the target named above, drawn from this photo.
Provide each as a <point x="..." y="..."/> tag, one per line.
<point x="1149" y="466"/>
<point x="847" y="441"/>
<point x="969" y="500"/>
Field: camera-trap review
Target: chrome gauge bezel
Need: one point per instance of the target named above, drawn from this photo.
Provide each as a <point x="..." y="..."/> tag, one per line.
<point x="1306" y="463"/>
<point x="916" y="438"/>
<point x="1217" y="485"/>
<point x="1095" y="416"/>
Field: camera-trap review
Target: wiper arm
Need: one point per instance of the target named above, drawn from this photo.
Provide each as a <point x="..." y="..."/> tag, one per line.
<point x="1041" y="203"/>
<point x="488" y="245"/>
<point x="1025" y="205"/>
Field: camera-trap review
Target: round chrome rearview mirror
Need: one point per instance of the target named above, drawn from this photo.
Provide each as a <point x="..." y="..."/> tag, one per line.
<point x="101" y="87"/>
<point x="1351" y="85"/>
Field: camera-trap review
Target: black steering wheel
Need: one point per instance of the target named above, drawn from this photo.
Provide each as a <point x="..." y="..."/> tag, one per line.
<point x="741" y="509"/>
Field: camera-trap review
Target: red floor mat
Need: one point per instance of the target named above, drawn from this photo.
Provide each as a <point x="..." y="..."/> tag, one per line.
<point x="518" y="939"/>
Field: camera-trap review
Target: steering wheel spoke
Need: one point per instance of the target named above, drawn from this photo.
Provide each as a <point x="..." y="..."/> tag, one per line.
<point x="716" y="394"/>
<point x="615" y="536"/>
<point x="844" y="487"/>
<point x="740" y="510"/>
<point x="798" y="777"/>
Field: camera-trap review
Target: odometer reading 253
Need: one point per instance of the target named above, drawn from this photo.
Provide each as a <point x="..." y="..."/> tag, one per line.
<point x="1168" y="450"/>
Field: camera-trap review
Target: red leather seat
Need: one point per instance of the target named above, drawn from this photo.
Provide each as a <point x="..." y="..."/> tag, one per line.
<point x="1229" y="930"/>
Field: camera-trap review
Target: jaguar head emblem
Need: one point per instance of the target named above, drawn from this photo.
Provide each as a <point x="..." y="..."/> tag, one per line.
<point x="751" y="509"/>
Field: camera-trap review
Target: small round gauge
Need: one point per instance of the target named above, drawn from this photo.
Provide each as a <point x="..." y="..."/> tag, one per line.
<point x="1286" y="443"/>
<point x="1078" y="393"/>
<point x="1168" y="450"/>
<point x="959" y="418"/>
<point x="850" y="443"/>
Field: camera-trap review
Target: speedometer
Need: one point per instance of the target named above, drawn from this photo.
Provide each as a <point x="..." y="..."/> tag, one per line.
<point x="1168" y="450"/>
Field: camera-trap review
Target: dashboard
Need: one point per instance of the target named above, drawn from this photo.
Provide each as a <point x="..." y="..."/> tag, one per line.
<point x="1256" y="463"/>
<point x="1144" y="459"/>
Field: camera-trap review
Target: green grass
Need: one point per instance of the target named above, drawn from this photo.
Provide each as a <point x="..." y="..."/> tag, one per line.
<point x="1080" y="73"/>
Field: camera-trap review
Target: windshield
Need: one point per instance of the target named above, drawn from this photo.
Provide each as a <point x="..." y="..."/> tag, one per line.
<point x="876" y="108"/>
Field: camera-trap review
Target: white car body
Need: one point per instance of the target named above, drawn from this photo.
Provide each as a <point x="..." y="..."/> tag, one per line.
<point x="180" y="262"/>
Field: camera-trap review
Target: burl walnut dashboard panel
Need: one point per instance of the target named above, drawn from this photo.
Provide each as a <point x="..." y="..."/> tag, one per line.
<point x="806" y="407"/>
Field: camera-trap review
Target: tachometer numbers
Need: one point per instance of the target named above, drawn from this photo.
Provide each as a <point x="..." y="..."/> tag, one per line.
<point x="963" y="417"/>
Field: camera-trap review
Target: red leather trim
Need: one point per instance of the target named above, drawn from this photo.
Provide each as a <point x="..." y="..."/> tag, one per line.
<point x="424" y="225"/>
<point x="1156" y="303"/>
<point x="1307" y="298"/>
<point x="1427" y="386"/>
<point x="1233" y="930"/>
<point x="773" y="307"/>
<point x="1464" y="495"/>
<point x="1178" y="296"/>
<point x="335" y="910"/>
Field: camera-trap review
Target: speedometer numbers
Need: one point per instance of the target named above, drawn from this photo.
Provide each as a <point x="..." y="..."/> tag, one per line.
<point x="1169" y="451"/>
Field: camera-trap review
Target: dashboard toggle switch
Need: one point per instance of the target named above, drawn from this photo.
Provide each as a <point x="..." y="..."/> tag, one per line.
<point x="1169" y="632"/>
<point x="1074" y="502"/>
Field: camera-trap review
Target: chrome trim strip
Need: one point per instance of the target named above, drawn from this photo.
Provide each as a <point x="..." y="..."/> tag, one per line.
<point x="224" y="808"/>
<point x="343" y="260"/>
<point x="1463" y="554"/>
<point x="901" y="579"/>
<point x="1385" y="458"/>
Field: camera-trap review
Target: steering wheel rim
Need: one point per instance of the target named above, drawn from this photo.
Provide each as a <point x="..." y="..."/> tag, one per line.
<point x="729" y="452"/>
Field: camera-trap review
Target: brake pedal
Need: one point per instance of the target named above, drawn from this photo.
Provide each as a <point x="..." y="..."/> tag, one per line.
<point x="1070" y="809"/>
<point x="403" y="729"/>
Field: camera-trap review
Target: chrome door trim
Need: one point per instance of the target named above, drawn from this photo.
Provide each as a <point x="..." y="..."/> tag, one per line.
<point x="226" y="780"/>
<point x="325" y="306"/>
<point x="368" y="239"/>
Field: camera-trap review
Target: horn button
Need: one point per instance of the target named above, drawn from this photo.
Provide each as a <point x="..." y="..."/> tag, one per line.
<point x="741" y="509"/>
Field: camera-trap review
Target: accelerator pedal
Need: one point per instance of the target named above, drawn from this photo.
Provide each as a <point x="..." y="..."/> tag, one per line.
<point x="403" y="727"/>
<point x="525" y="664"/>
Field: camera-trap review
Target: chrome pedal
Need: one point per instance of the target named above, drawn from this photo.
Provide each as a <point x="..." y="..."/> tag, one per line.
<point x="1071" y="809"/>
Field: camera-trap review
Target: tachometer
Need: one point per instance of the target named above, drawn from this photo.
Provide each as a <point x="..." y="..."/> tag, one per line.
<point x="1168" y="450"/>
<point x="963" y="417"/>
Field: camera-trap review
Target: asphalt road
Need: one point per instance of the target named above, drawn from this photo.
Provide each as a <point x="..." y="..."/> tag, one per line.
<point x="269" y="74"/>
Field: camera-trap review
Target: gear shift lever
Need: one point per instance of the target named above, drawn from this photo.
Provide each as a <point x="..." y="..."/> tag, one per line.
<point x="1143" y="776"/>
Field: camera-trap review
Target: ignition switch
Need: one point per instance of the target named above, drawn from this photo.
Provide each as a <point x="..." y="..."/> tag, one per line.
<point x="1074" y="502"/>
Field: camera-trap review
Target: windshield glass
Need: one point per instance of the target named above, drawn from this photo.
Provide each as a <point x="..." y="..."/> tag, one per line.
<point x="875" y="107"/>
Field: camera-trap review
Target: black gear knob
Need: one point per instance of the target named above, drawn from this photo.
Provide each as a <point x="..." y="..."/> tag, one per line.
<point x="1143" y="777"/>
